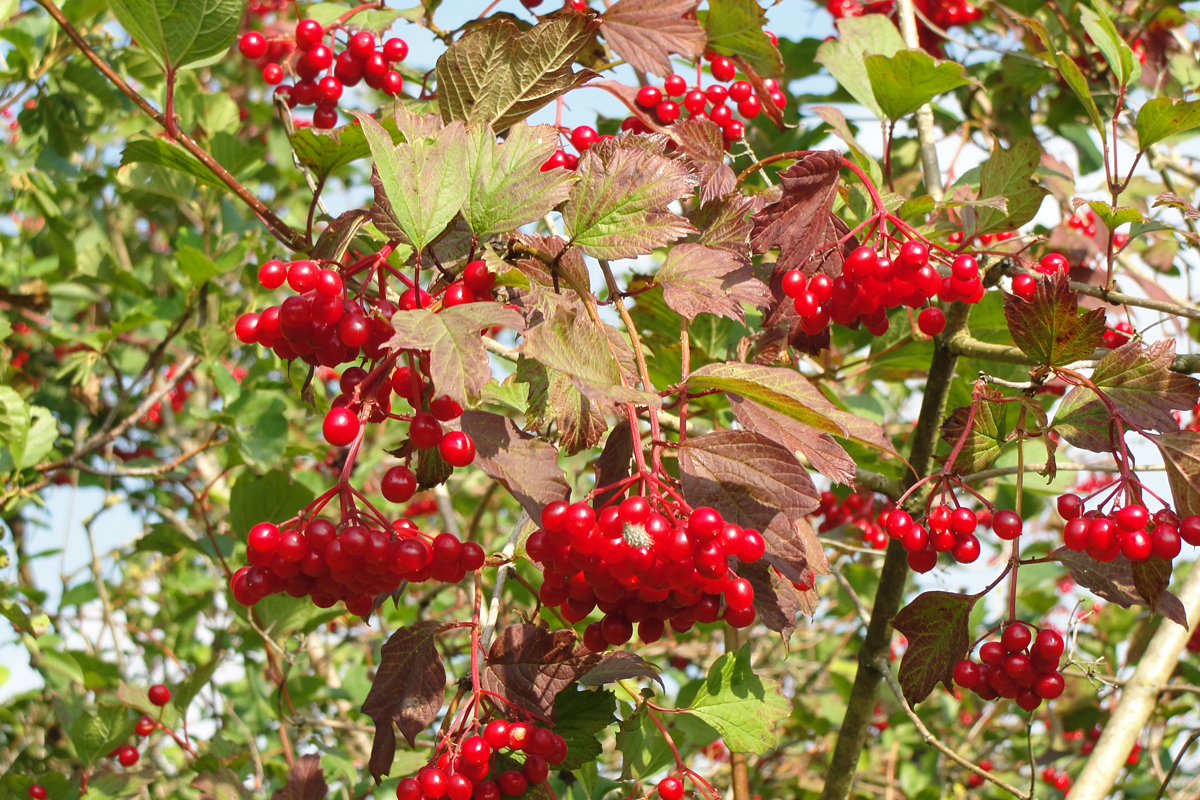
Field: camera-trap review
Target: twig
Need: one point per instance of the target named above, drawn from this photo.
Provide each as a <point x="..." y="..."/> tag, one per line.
<point x="1192" y="738"/>
<point x="493" y="613"/>
<point x="906" y="11"/>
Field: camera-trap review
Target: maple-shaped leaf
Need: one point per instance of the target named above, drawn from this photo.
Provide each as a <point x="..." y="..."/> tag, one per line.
<point x="620" y="665"/>
<point x="528" y="665"/>
<point x="827" y="456"/>
<point x="618" y="205"/>
<point x="1137" y="379"/>
<point x="408" y="690"/>
<point x="498" y="74"/>
<point x="647" y="32"/>
<point x="705" y="280"/>
<point x="754" y="483"/>
<point x="305" y="781"/>
<point x="523" y="464"/>
<point x="579" y="716"/>
<point x="614" y="463"/>
<point x="939" y="636"/>
<point x="791" y="394"/>
<point x="458" y="364"/>
<point x="726" y="223"/>
<point x="703" y="146"/>
<point x="1049" y="328"/>
<point x="1114" y="581"/>
<point x="419" y="184"/>
<point x="802" y="221"/>
<point x="736" y="28"/>
<point x="549" y="249"/>
<point x="506" y="186"/>
<point x="1008" y="174"/>
<point x="740" y="704"/>
<point x="553" y="399"/>
<point x="990" y="430"/>
<point x="1181" y="457"/>
<point x="776" y="599"/>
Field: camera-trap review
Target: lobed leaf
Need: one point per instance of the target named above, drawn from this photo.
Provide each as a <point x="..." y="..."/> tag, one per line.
<point x="97" y="734"/>
<point x="703" y="145"/>
<point x="1121" y="60"/>
<point x="273" y="497"/>
<point x="647" y="32"/>
<point x="741" y="705"/>
<point x="1181" y="456"/>
<point x="904" y="82"/>
<point x="523" y="464"/>
<point x="1007" y="174"/>
<point x="801" y="222"/>
<point x="305" y="781"/>
<point x="827" y="456"/>
<point x="326" y="151"/>
<point x="989" y="431"/>
<point x="845" y="56"/>
<point x="736" y="28"/>
<point x="179" y="34"/>
<point x="578" y="717"/>
<point x="937" y="625"/>
<point x="776" y="599"/>
<point x="507" y="188"/>
<point x="703" y="280"/>
<point x="1049" y="327"/>
<point x="528" y="666"/>
<point x="726" y="223"/>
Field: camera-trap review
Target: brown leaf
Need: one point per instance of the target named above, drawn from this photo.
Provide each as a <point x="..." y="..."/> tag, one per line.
<point x="409" y="687"/>
<point x="776" y="599"/>
<point x="705" y="280"/>
<point x="619" y="665"/>
<point x="580" y="419"/>
<point x="528" y="665"/>
<point x="1176" y="202"/>
<point x="938" y="631"/>
<point x="538" y="270"/>
<point x="703" y="146"/>
<point x="306" y="781"/>
<point x="1115" y="582"/>
<point x="754" y="483"/>
<point x="1049" y="328"/>
<point x="614" y="462"/>
<point x="726" y="223"/>
<point x="1151" y="579"/>
<point x="827" y="456"/>
<point x="646" y="32"/>
<point x="224" y="784"/>
<point x="801" y="221"/>
<point x="1181" y="456"/>
<point x="525" y="465"/>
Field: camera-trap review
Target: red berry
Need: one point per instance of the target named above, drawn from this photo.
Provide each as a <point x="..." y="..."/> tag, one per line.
<point x="1050" y="686"/>
<point x="246" y="328"/>
<point x="398" y="484"/>
<point x="593" y="638"/>
<point x="740" y="90"/>
<point x="459" y="786"/>
<point x="1165" y="542"/>
<point x="616" y="628"/>
<point x="37" y="792"/>
<point x="488" y="790"/>
<point x="965" y="268"/>
<point x="536" y="768"/>
<point x="145" y="726"/>
<point x="128" y="756"/>
<point x="512" y="783"/>
<point x="272" y="274"/>
<point x="582" y="138"/>
<point x="1189" y="530"/>
<point x="723" y="69"/>
<point x="557" y="160"/>
<point x="966" y="549"/>
<point x="395" y="50"/>
<point x="753" y="546"/>
<point x="308" y="34"/>
<point x="1069" y="506"/>
<point x="739" y="594"/>
<point x="675" y="85"/>
<point x="340" y="427"/>
<point x="457" y="449"/>
<point x="1007" y="524"/>
<point x="931" y="321"/>
<point x="966" y="673"/>
<point x="1016" y="638"/>
<point x="1024" y="286"/>
<point x="433" y="782"/>
<point x="898" y="522"/>
<point x="913" y="256"/>
<point x="915" y="539"/>
<point x="649" y="96"/>
<point x="1052" y="263"/>
<point x="667" y="111"/>
<point x="1132" y="517"/>
<point x="495" y="733"/>
<point x="963" y="520"/>
<point x="425" y="432"/>
<point x="1135" y="545"/>
<point x="1048" y="645"/>
<point x="253" y="45"/>
<point x="991" y="653"/>
<point x="362" y="44"/>
<point x="476" y="750"/>
<point x="793" y="283"/>
<point x="670" y="789"/>
<point x="393" y="83"/>
<point x="159" y="694"/>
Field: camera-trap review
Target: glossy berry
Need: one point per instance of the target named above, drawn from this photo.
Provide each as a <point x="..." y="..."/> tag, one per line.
<point x="931" y="321"/>
<point x="478" y="278"/>
<point x="739" y="594"/>
<point x="1069" y="506"/>
<point x="1048" y="645"/>
<point x="1132" y="517"/>
<point x="433" y="783"/>
<point x="1024" y="286"/>
<point x="340" y="427"/>
<point x="457" y="449"/>
<point x="649" y="96"/>
<point x="398" y="484"/>
<point x="1165" y="541"/>
<point x="966" y="549"/>
<point x="128" y="756"/>
<point x="495" y="733"/>
<point x="675" y="85"/>
<point x="670" y="789"/>
<point x="253" y="45"/>
<point x="159" y="694"/>
<point x="37" y="792"/>
<point x="395" y="50"/>
<point x="582" y="138"/>
<point x="1007" y="524"/>
<point x="723" y="69"/>
<point x="898" y="522"/>
<point x="272" y="274"/>
<point x="966" y="673"/>
<point x="362" y="45"/>
<point x="1016" y="638"/>
<point x="308" y="34"/>
<point x="145" y="726"/>
<point x="512" y="783"/>
<point x="425" y="432"/>
<point x="1135" y="545"/>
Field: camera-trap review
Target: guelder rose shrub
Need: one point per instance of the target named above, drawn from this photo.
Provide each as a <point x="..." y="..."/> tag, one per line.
<point x="598" y="457"/>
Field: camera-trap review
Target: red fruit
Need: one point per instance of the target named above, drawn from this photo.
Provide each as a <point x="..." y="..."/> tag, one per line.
<point x="512" y="783"/>
<point x="1007" y="524"/>
<point x="1132" y="517"/>
<point x="1164" y="541"/>
<point x="922" y="561"/>
<point x="308" y="34"/>
<point x="1135" y="545"/>
<point x="966" y="549"/>
<point x="37" y="792"/>
<point x="753" y="546"/>
<point x="395" y="50"/>
<point x="898" y="522"/>
<point x="963" y="520"/>
<point x="716" y="94"/>
<point x="488" y="790"/>
<point x="145" y="726"/>
<point x="272" y="274"/>
<point x="749" y="108"/>
<point x="398" y="484"/>
<point x="159" y="694"/>
<point x="593" y="638"/>
<point x="723" y="69"/>
<point x="557" y="160"/>
<point x="1016" y="638"/>
<point x="670" y="789"/>
<point x="739" y="594"/>
<point x="616" y="628"/>
<point x="667" y="111"/>
<point x="324" y="118"/>
<point x="1050" y="686"/>
<point x="793" y="283"/>
<point x="459" y="786"/>
<point x="1028" y="700"/>
<point x="1069" y="506"/>
<point x="966" y="673"/>
<point x="362" y="45"/>
<point x="340" y="427"/>
<point x="740" y="90"/>
<point x="931" y="321"/>
<point x="476" y="750"/>
<point x="1189" y="530"/>
<point x="736" y="618"/>
<point x="675" y="85"/>
<point x="536" y="768"/>
<point x="1048" y="645"/>
<point x="425" y="432"/>
<point x="495" y="733"/>
<point x="457" y="449"/>
<point x="433" y="782"/>
<point x="733" y="130"/>
<point x="253" y="45"/>
<point x="649" y="96"/>
<point x="128" y="756"/>
<point x="1024" y="286"/>
<point x="246" y="328"/>
<point x="913" y="256"/>
<point x="965" y="268"/>
<point x="392" y="83"/>
<point x="582" y="138"/>
<point x="1052" y="263"/>
<point x="991" y="653"/>
<point x="915" y="539"/>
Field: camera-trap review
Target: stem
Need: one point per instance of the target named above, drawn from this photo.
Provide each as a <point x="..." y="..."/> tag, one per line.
<point x="907" y="14"/>
<point x="861" y="707"/>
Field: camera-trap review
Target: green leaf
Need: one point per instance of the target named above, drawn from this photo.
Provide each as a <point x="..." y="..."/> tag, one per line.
<point x="118" y="784"/>
<point x="845" y="56"/>
<point x="273" y="497"/>
<point x="27" y="433"/>
<point x="420" y="185"/>
<point x="908" y="80"/>
<point x="1079" y="85"/>
<point x="1007" y="174"/>
<point x="989" y="432"/>
<point x="186" y="691"/>
<point x="936" y="624"/>
<point x="200" y="268"/>
<point x="95" y="735"/>
<point x="618" y="206"/>
<point x="643" y="749"/>
<point x="1049" y="328"/>
<point x="740" y="704"/>
<point x="735" y="28"/>
<point x="458" y="364"/>
<point x="1121" y="60"/>
<point x="180" y="33"/>
<point x="158" y="151"/>
<point x="324" y="152"/>
<point x="497" y="74"/>
<point x="261" y="427"/>
<point x="578" y="716"/>
<point x="1112" y="217"/>
<point x="1161" y="118"/>
<point x="507" y="188"/>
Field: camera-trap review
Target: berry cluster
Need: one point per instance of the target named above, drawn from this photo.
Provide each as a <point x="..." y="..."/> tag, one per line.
<point x="1083" y="221"/>
<point x="354" y="565"/>
<point x="128" y="755"/>
<point x="1117" y="335"/>
<point x="1130" y="531"/>
<point x="872" y="283"/>
<point x="638" y="566"/>
<point x="177" y="397"/>
<point x="321" y="74"/>
<point x="946" y="530"/>
<point x="462" y="770"/>
<point x="1059" y="780"/>
<point x="862" y="511"/>
<point x="1019" y="667"/>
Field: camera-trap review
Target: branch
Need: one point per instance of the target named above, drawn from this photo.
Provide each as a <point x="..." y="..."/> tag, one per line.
<point x="1138" y="700"/>
<point x="1061" y="466"/>
<point x="279" y="229"/>
<point x="926" y="137"/>
<point x="1119" y="299"/>
<point x="963" y="345"/>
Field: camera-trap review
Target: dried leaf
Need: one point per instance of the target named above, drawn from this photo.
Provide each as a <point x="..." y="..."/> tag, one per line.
<point x="938" y="631"/>
<point x="306" y="781"/>
<point x="827" y="456"/>
<point x="1049" y="327"/>
<point x="754" y="483"/>
<point x="704" y="280"/>
<point x="801" y="221"/>
<point x="647" y="32"/>
<point x="525" y="465"/>
<point x="497" y="74"/>
<point x="409" y="687"/>
<point x="528" y="665"/>
<point x="776" y="599"/>
<point x="1151" y="579"/>
<point x="703" y="145"/>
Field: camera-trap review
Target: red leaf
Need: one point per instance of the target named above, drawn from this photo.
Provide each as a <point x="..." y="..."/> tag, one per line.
<point x="704" y="146"/>
<point x="646" y="32"/>
<point x="705" y="280"/>
<point x="614" y="463"/>
<point x="1115" y="582"/>
<point x="528" y="665"/>
<point x="776" y="599"/>
<point x="1151" y="579"/>
<point x="1049" y="327"/>
<point x="802" y="220"/>
<point x="409" y="687"/>
<point x="726" y="223"/>
<point x="1181" y="455"/>
<point x="619" y="665"/>
<point x="525" y="465"/>
<point x="306" y="781"/>
<point x="936" y="624"/>
<point x="827" y="456"/>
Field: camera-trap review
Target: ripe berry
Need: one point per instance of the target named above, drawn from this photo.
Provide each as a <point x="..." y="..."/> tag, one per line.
<point x="616" y="628"/>
<point x="966" y="549"/>
<point x="991" y="653"/>
<point x="675" y="85"/>
<point x="495" y="733"/>
<point x="963" y="520"/>
<point x="913" y="256"/>
<point x="582" y="138"/>
<point x="1189" y="530"/>
<point x="1024" y="286"/>
<point x="1132" y="517"/>
<point x="128" y="756"/>
<point x="793" y="283"/>
<point x="459" y="786"/>
<point x="308" y="34"/>
<point x="739" y="594"/>
<point x="966" y="673"/>
<point x="1052" y="263"/>
<point x="723" y="69"/>
<point x="362" y="44"/>
<point x="1028" y="700"/>
<point x="159" y="694"/>
<point x="649" y="96"/>
<point x="340" y="427"/>
<point x="670" y="789"/>
<point x="329" y="90"/>
<point x="512" y="783"/>
<point x="37" y="792"/>
<point x="667" y="111"/>
<point x="1007" y="524"/>
<point x="1048" y="645"/>
<point x="1165" y="542"/>
<point x="476" y="750"/>
<point x="915" y="539"/>
<point x="398" y="484"/>
<point x="395" y="50"/>
<point x="457" y="449"/>
<point x="1069" y="506"/>
<point x="1016" y="638"/>
<point x="393" y="83"/>
<point x="557" y="160"/>
<point x="753" y="546"/>
<point x="931" y="321"/>
<point x="272" y="274"/>
<point x="253" y="45"/>
<point x="433" y="782"/>
<point x="922" y="561"/>
<point x="898" y="522"/>
<point x="733" y="130"/>
<point x="246" y="328"/>
<point x="1135" y="545"/>
<point x="145" y="726"/>
<point x="425" y="432"/>
<point x="1050" y="686"/>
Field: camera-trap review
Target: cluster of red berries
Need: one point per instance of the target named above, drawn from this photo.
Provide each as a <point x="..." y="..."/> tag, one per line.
<point x="942" y="13"/>
<point x="1130" y="531"/>
<point x="872" y="283"/>
<point x="974" y="781"/>
<point x="322" y="75"/>
<point x="984" y="238"/>
<point x="568" y="5"/>
<point x="716" y="102"/>
<point x="461" y="772"/>
<point x="1117" y="335"/>
<point x="261" y="8"/>
<point x="946" y="530"/>
<point x="177" y="397"/>
<point x="1083" y="221"/>
<point x="862" y="511"/>
<point x="1059" y="780"/>
<point x="639" y="567"/>
<point x="127" y="755"/>
<point x="950" y="13"/>
<point x="1019" y="667"/>
<point x="353" y="565"/>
